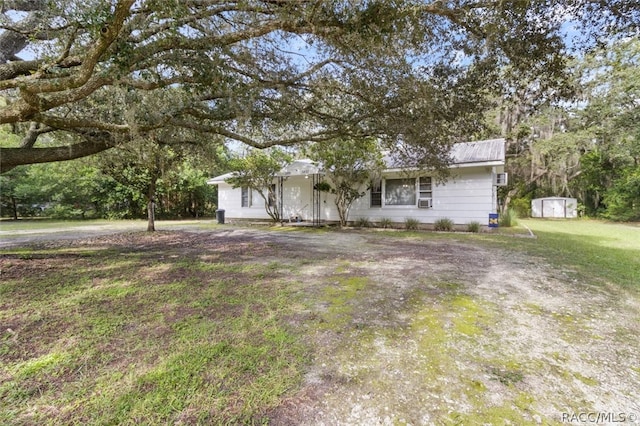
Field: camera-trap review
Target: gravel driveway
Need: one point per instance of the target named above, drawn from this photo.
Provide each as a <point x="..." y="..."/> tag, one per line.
<point x="442" y="330"/>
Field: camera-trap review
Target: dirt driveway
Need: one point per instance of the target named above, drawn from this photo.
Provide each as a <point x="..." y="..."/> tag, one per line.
<point x="443" y="330"/>
<point x="440" y="331"/>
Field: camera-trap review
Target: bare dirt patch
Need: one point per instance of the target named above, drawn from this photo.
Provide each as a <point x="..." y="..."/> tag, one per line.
<point x="420" y="330"/>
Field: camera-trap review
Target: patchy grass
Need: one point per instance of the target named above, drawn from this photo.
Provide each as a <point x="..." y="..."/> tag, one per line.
<point x="37" y="224"/>
<point x="114" y="337"/>
<point x="220" y="328"/>
<point x="339" y="296"/>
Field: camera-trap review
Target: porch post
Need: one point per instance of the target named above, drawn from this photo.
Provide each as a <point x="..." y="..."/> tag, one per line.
<point x="316" y="200"/>
<point x="280" y="197"/>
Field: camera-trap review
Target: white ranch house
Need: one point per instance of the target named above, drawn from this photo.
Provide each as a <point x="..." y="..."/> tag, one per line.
<point x="469" y="194"/>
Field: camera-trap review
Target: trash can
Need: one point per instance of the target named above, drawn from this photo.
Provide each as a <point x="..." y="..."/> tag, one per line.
<point x="220" y="216"/>
<point x="493" y="220"/>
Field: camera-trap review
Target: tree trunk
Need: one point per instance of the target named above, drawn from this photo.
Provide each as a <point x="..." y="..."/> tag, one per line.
<point x="151" y="213"/>
<point x="151" y="224"/>
<point x="507" y="200"/>
<point x="342" y="214"/>
<point x="14" y="205"/>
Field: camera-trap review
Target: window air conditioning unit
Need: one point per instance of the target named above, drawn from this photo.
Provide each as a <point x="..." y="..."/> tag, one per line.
<point x="425" y="203"/>
<point x="501" y="179"/>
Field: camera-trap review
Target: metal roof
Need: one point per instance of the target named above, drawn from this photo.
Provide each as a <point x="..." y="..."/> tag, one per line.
<point x="490" y="151"/>
<point x="220" y="179"/>
<point x="478" y="152"/>
<point x="487" y="151"/>
<point x="303" y="167"/>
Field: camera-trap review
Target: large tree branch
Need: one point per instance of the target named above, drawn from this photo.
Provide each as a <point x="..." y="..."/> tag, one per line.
<point x="108" y="35"/>
<point x="11" y="70"/>
<point x="35" y="130"/>
<point x="22" y="5"/>
<point x="12" y="42"/>
<point x="94" y="142"/>
<point x="67" y="123"/>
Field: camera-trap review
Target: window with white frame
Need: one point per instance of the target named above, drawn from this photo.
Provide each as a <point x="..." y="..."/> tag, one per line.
<point x="245" y="197"/>
<point x="425" y="187"/>
<point x="376" y="193"/>
<point x="400" y="192"/>
<point x="425" y="192"/>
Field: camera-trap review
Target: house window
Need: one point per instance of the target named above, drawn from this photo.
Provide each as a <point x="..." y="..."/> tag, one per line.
<point x="400" y="192"/>
<point x="425" y="187"/>
<point x="246" y="196"/>
<point x="500" y="179"/>
<point x="376" y="193"/>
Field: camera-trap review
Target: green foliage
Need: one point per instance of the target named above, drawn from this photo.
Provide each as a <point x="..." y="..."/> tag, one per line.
<point x="508" y="218"/>
<point x="522" y="206"/>
<point x="349" y="165"/>
<point x="385" y="222"/>
<point x="61" y="190"/>
<point x="411" y="224"/>
<point x="323" y="186"/>
<point x="623" y="198"/>
<point x="474" y="226"/>
<point x="596" y="175"/>
<point x="589" y="147"/>
<point x="443" y="224"/>
<point x="215" y="83"/>
<point x="107" y="186"/>
<point x="362" y="222"/>
<point x="257" y="170"/>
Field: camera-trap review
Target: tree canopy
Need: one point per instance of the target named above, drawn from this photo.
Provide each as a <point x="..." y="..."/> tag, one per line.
<point x="414" y="73"/>
<point x="350" y="166"/>
<point x="588" y="146"/>
<point x="257" y="171"/>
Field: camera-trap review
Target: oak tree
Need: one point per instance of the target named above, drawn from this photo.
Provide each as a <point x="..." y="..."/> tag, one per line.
<point x="257" y="171"/>
<point x="414" y="73"/>
<point x="349" y="166"/>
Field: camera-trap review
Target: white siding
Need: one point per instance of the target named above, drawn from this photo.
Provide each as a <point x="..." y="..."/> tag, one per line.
<point x="468" y="195"/>
<point x="230" y="200"/>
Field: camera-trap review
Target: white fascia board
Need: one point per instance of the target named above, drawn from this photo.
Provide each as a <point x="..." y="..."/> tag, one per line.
<point x="451" y="166"/>
<point x="219" y="179"/>
<point x="483" y="164"/>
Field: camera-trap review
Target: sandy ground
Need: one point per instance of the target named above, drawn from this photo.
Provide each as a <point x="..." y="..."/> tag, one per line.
<point x="446" y="332"/>
<point x="11" y="238"/>
<point x="443" y="331"/>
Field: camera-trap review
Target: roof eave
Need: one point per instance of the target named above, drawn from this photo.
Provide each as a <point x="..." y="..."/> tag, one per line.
<point x="451" y="166"/>
<point x="478" y="164"/>
<point x="219" y="179"/>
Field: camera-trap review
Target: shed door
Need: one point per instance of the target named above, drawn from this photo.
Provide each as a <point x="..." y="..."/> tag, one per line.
<point x="554" y="208"/>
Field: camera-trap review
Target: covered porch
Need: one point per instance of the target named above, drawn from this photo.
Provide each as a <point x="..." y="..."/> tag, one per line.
<point x="298" y="197"/>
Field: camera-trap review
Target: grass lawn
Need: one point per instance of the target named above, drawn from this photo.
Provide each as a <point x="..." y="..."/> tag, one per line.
<point x="21" y="225"/>
<point x="596" y="251"/>
<point x="165" y="328"/>
<point x="97" y="335"/>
